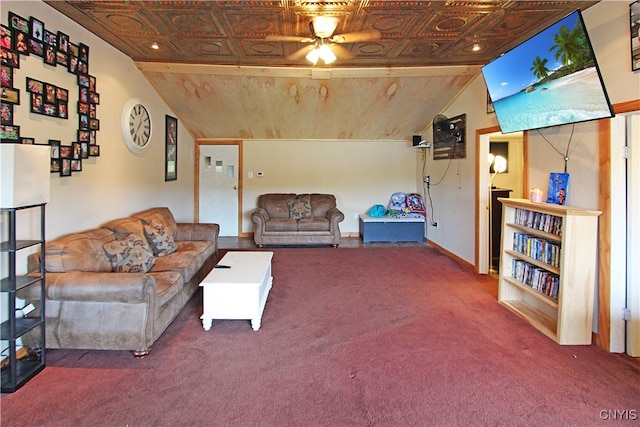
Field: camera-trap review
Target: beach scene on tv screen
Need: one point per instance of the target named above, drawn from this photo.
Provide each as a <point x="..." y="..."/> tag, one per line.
<point x="549" y="80"/>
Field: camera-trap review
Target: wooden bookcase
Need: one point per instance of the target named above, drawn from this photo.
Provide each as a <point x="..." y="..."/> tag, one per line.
<point x="548" y="267"/>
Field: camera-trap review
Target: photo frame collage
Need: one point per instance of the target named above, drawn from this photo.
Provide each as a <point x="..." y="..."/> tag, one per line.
<point x="31" y="37"/>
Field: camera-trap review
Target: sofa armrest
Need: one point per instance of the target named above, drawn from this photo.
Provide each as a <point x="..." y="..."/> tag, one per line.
<point x="335" y="214"/>
<point x="131" y="288"/>
<point x="260" y="216"/>
<point x="197" y="231"/>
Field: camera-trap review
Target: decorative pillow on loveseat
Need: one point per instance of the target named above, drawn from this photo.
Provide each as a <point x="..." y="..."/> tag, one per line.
<point x="129" y="254"/>
<point x="159" y="238"/>
<point x="300" y="207"/>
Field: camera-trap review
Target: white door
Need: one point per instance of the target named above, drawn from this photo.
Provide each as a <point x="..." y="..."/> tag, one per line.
<point x="218" y="187"/>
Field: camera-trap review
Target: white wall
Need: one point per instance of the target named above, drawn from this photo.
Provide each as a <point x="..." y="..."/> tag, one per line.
<point x="359" y="173"/>
<point x="118" y="182"/>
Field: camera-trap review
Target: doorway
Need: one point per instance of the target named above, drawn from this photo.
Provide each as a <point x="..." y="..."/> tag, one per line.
<point x="510" y="182"/>
<point x="218" y="195"/>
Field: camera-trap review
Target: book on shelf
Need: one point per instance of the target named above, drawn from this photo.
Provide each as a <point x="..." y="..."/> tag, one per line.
<point x="536" y="278"/>
<point x="537" y="248"/>
<point x="539" y="221"/>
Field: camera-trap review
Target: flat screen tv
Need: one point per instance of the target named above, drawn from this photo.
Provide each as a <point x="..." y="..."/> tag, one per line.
<point x="549" y="80"/>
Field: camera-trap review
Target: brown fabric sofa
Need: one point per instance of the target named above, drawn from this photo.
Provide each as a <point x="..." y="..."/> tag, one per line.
<point x="296" y="219"/>
<point x="100" y="296"/>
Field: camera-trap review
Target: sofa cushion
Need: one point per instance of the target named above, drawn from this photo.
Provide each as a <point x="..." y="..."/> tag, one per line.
<point x="276" y="204"/>
<point x="189" y="257"/>
<point x="79" y="252"/>
<point x="168" y="285"/>
<point x="281" y="224"/>
<point x="314" y="224"/>
<point x="321" y="203"/>
<point x="129" y="254"/>
<point x="299" y="207"/>
<point x="160" y="239"/>
<point x="161" y="216"/>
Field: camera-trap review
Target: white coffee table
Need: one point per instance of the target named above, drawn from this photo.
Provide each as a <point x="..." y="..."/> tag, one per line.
<point x="238" y="292"/>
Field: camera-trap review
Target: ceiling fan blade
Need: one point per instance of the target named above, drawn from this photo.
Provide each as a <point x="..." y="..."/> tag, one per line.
<point x="341" y="52"/>
<point x="289" y="39"/>
<point x="359" y="36"/>
<point x="300" y="53"/>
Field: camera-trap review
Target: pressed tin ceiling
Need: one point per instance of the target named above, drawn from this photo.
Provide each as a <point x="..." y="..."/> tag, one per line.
<point x="302" y="101"/>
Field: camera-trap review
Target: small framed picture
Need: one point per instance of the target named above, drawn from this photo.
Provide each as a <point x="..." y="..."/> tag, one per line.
<point x="9" y="133"/>
<point x="6" y="75"/>
<point x="10" y="58"/>
<point x="84" y="94"/>
<point x="92" y="111"/>
<point x="63" y="109"/>
<point x="83" y="68"/>
<point x="66" y="152"/>
<point x="50" y="55"/>
<point x="85" y="149"/>
<point x="83" y="122"/>
<point x="6" y="37"/>
<point x="10" y="95"/>
<point x="35" y="86"/>
<point x="83" y="108"/>
<point x="83" y="135"/>
<point x="73" y="50"/>
<point x="50" y="38"/>
<point x="20" y="42"/>
<point x="73" y="65"/>
<point x="37" y="104"/>
<point x="36" y="48"/>
<point x="92" y="83"/>
<point x="62" y="59"/>
<point x="634" y="15"/>
<point x="37" y="29"/>
<point x="6" y="114"/>
<point x="65" y="167"/>
<point x="76" y="150"/>
<point x="49" y="93"/>
<point x="93" y="139"/>
<point x="94" y="98"/>
<point x="27" y="140"/>
<point x="62" y="94"/>
<point x="94" y="124"/>
<point x="76" y="165"/>
<point x="94" y="150"/>
<point x="63" y="42"/>
<point x="50" y="109"/>
<point x="55" y="166"/>
<point x="17" y="22"/>
<point x="83" y="81"/>
<point x="55" y="148"/>
<point x="171" y="149"/>
<point x="83" y="53"/>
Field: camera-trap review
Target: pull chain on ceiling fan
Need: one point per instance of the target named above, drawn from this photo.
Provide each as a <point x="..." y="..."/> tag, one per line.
<point x="324" y="45"/>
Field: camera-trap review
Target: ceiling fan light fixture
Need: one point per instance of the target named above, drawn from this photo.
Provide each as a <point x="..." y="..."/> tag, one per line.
<point x="313" y="55"/>
<point x="324" y="26"/>
<point x="326" y="54"/>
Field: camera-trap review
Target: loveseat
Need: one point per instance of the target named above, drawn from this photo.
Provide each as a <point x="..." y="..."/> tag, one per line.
<point x="119" y="286"/>
<point x="296" y="219"/>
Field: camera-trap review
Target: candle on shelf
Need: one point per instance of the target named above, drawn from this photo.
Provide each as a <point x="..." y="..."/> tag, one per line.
<point x="535" y="195"/>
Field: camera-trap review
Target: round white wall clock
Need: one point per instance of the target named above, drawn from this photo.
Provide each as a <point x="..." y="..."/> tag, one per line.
<point x="136" y="125"/>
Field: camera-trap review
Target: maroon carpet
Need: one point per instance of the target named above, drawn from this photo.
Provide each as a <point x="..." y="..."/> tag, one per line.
<point x="350" y="337"/>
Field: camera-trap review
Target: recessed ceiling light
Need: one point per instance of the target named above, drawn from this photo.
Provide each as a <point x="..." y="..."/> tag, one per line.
<point x="476" y="47"/>
<point x="155" y="46"/>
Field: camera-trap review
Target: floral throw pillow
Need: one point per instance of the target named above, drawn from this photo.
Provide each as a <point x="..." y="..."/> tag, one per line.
<point x="300" y="207"/>
<point x="160" y="239"/>
<point x="129" y="254"/>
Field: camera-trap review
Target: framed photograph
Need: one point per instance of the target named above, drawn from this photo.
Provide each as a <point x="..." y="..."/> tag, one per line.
<point x="65" y="167"/>
<point x="55" y="166"/>
<point x="62" y="59"/>
<point x="6" y="114"/>
<point x="35" y="86"/>
<point x="92" y="137"/>
<point x="36" y="48"/>
<point x="10" y="58"/>
<point x="85" y="149"/>
<point x="83" y="53"/>
<point x="20" y="42"/>
<point x="50" y="109"/>
<point x="50" y="38"/>
<point x="558" y="188"/>
<point x="83" y="81"/>
<point x="76" y="150"/>
<point x="37" y="29"/>
<point x="94" y="98"/>
<point x="76" y="165"/>
<point x="9" y="133"/>
<point x="92" y="83"/>
<point x="6" y="37"/>
<point x="62" y="94"/>
<point x="634" y="15"/>
<point x="55" y="148"/>
<point x="171" y="149"/>
<point x="10" y="95"/>
<point x="63" y="109"/>
<point x="6" y="75"/>
<point x="27" y="140"/>
<point x="83" y="122"/>
<point x="17" y="22"/>
<point x="83" y="135"/>
<point x="49" y="93"/>
<point x="73" y="65"/>
<point x="37" y="104"/>
<point x="50" y="55"/>
<point x="83" y="108"/>
<point x="66" y="152"/>
<point x="94" y="124"/>
<point x="84" y="95"/>
<point x="83" y="68"/>
<point x="94" y="150"/>
<point x="63" y="42"/>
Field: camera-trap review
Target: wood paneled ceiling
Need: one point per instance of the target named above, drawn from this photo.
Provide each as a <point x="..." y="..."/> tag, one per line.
<point x="220" y="75"/>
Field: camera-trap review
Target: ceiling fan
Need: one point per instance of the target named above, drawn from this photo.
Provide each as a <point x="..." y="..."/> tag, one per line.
<point x="324" y="45"/>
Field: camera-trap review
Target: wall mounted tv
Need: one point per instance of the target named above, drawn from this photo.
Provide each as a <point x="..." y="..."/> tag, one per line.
<point x="551" y="79"/>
